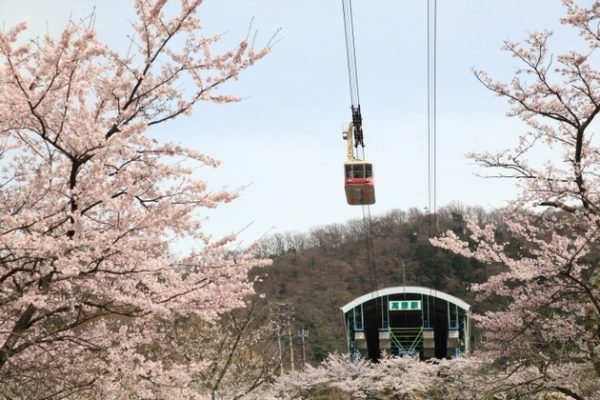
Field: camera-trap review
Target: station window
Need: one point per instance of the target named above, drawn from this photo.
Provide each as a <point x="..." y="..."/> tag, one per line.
<point x="452" y="316"/>
<point x="358" y="318"/>
<point x="385" y="317"/>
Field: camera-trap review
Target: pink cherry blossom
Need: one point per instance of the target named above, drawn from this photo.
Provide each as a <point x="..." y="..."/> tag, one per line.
<point x="90" y="207"/>
<point x="544" y="330"/>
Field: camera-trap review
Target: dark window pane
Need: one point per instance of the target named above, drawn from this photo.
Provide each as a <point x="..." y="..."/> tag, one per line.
<point x="359" y="171"/>
<point x="348" y="169"/>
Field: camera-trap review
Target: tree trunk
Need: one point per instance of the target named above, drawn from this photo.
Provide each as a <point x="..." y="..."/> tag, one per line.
<point x="6" y="351"/>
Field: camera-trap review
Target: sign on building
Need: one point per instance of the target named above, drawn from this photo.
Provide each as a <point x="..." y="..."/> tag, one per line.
<point x="405" y="305"/>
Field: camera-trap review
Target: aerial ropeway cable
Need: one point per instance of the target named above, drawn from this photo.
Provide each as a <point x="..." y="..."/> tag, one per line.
<point x="358" y="181"/>
<point x="431" y="115"/>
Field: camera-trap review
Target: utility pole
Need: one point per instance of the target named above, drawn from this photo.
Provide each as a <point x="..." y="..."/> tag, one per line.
<point x="291" y="339"/>
<point x="281" y="320"/>
<point x="303" y="334"/>
<point x="280" y="350"/>
<point x="285" y="321"/>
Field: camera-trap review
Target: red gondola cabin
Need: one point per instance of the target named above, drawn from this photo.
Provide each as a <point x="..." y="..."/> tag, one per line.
<point x="359" y="183"/>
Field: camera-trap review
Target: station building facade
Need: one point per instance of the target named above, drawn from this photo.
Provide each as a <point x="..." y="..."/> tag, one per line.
<point x="407" y="320"/>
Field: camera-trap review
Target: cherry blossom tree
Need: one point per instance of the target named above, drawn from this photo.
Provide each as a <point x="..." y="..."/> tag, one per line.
<point x="548" y="297"/>
<point x="90" y="207"/>
<point x="239" y="350"/>
<point x="390" y="378"/>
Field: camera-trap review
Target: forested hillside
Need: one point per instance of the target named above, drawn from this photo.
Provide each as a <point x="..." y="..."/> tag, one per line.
<point x="314" y="274"/>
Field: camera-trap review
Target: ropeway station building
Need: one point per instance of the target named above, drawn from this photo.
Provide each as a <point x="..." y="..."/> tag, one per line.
<point x="407" y="320"/>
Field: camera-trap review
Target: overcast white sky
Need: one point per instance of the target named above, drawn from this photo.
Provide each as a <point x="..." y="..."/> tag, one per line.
<point x="284" y="140"/>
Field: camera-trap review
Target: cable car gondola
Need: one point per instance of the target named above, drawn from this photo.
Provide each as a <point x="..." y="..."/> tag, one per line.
<point x="359" y="183"/>
<point x="358" y="176"/>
